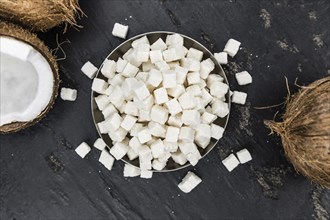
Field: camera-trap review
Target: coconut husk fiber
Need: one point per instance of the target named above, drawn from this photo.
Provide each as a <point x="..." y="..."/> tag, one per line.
<point x="40" y="15"/>
<point x="11" y="30"/>
<point x="305" y="131"/>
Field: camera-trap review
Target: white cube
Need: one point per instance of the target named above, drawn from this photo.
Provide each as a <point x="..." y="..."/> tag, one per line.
<point x="120" y="30"/>
<point x="109" y="110"/>
<point x="141" y="40"/>
<point x="106" y="159"/>
<point x="175" y="120"/>
<point x="206" y="97"/>
<point x="220" y="108"/>
<point x="99" y="144"/>
<point x="69" y="94"/>
<point x="157" y="165"/>
<point x="133" y="58"/>
<point x="131" y="171"/>
<point x="109" y="90"/>
<point x="144" y="115"/>
<point x="173" y="106"/>
<point x="243" y="78"/>
<point x="144" y="135"/>
<point x="208" y="118"/>
<point x="147" y="103"/>
<point x="141" y="92"/>
<point x="244" y="156"/>
<point x="145" y="155"/>
<point x="130" y="70"/>
<point x="179" y="158"/>
<point x="239" y="97"/>
<point x="120" y="65"/>
<point x="134" y="144"/>
<point x="157" y="148"/>
<point x="157" y="129"/>
<point x="146" y="174"/>
<point x="142" y="76"/>
<point x="118" y="135"/>
<point x="113" y="122"/>
<point x="99" y="85"/>
<point x="146" y="66"/>
<point x="89" y="70"/>
<point x="191" y="64"/>
<point x="158" y="45"/>
<point x="173" y="65"/>
<point x="195" y="54"/>
<point x="174" y="53"/>
<point x="232" y="47"/>
<point x="142" y="53"/>
<point x="187" y="134"/>
<point x="219" y="89"/>
<point x="145" y="164"/>
<point x="181" y="74"/>
<point x="117" y="98"/>
<point x="193" y="78"/>
<point x="131" y="109"/>
<point x="176" y="91"/>
<point x="170" y="146"/>
<point x="190" y="117"/>
<point x="194" y="90"/>
<point x="160" y="96"/>
<point x="189" y="182"/>
<point x="128" y="122"/>
<point x="174" y="40"/>
<point x="221" y="57"/>
<point x="136" y="129"/>
<point x="169" y="78"/>
<point x="119" y="150"/>
<point x="164" y="157"/>
<point x="213" y="78"/>
<point x="207" y="66"/>
<point x="194" y="157"/>
<point x="131" y="154"/>
<point x="117" y="80"/>
<point x="203" y="135"/>
<point x="156" y="56"/>
<point x="83" y="149"/>
<point x="102" y="128"/>
<point x="230" y="162"/>
<point x="159" y="114"/>
<point x="102" y="101"/>
<point x="202" y="84"/>
<point x="162" y="65"/>
<point x="109" y="68"/>
<point x="186" y="101"/>
<point x="172" y="134"/>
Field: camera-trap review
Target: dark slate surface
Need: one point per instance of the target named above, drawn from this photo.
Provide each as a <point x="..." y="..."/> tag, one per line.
<point x="43" y="178"/>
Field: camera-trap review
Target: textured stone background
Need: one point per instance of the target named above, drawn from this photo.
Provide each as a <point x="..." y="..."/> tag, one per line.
<point x="43" y="178"/>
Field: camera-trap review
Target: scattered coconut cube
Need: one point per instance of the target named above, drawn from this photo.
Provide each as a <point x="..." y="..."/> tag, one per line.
<point x="243" y="78"/>
<point x="157" y="148"/>
<point x="220" y="108"/>
<point x="100" y="144"/>
<point x="158" y="45"/>
<point x="190" y="117"/>
<point x="244" y="156"/>
<point x="189" y="182"/>
<point x="119" y="150"/>
<point x="159" y="114"/>
<point x="106" y="159"/>
<point x="144" y="135"/>
<point x="157" y="165"/>
<point x="169" y="78"/>
<point x="68" y="94"/>
<point x="172" y="134"/>
<point x="179" y="158"/>
<point x="239" y="97"/>
<point x="120" y="30"/>
<point x="195" y="54"/>
<point x="203" y="135"/>
<point x="160" y="96"/>
<point x="89" y="70"/>
<point x="175" y="120"/>
<point x="146" y="174"/>
<point x="131" y="171"/>
<point x="83" y="149"/>
<point x="187" y="134"/>
<point x="109" y="68"/>
<point x="99" y="85"/>
<point x="221" y="57"/>
<point x="217" y="131"/>
<point x="232" y="47"/>
<point x="128" y="122"/>
<point x="230" y="162"/>
<point x="176" y="91"/>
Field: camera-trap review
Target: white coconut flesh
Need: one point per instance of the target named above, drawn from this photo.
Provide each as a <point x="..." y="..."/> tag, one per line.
<point x="26" y="81"/>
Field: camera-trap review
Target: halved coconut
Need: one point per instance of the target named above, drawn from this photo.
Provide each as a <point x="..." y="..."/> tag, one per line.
<point x="29" y="78"/>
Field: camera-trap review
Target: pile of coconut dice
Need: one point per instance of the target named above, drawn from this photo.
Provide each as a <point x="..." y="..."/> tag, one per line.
<point x="160" y="101"/>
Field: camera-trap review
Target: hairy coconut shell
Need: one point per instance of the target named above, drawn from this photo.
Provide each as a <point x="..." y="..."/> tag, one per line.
<point x="305" y="131"/>
<point x="10" y="30"/>
<point x="40" y="15"/>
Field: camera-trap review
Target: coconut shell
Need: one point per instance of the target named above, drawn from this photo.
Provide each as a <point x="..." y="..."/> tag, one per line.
<point x="10" y="30"/>
<point x="305" y="131"/>
<point x="40" y="15"/>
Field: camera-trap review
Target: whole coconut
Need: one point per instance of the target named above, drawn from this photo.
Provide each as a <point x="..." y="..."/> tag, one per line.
<point x="305" y="131"/>
<point x="40" y="15"/>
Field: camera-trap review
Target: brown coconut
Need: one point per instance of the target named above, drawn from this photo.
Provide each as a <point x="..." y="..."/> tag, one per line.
<point x="40" y="15"/>
<point x="11" y="30"/>
<point x="305" y="131"/>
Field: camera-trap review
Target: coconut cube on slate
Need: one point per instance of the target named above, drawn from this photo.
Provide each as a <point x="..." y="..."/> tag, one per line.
<point x="158" y="45"/>
<point x="83" y="149"/>
<point x="68" y="94"/>
<point x="89" y="70"/>
<point x="159" y="114"/>
<point x="239" y="97"/>
<point x="128" y="122"/>
<point x="230" y="162"/>
<point x="232" y="47"/>
<point x="157" y="148"/>
<point x="131" y="171"/>
<point x="189" y="182"/>
<point x="216" y="131"/>
<point x="172" y="134"/>
<point x="144" y="135"/>
<point x="179" y="157"/>
<point x="160" y="96"/>
<point x="190" y="117"/>
<point x="119" y="150"/>
<point x="170" y="146"/>
<point x="221" y="57"/>
<point x="99" y="144"/>
<point x="99" y="85"/>
<point x="120" y="30"/>
<point x="106" y="159"/>
<point x="175" y="120"/>
<point x="146" y="174"/>
<point x="109" y="68"/>
<point x="244" y="156"/>
<point x="243" y="78"/>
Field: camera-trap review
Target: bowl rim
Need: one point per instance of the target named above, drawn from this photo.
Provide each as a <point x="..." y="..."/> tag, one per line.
<point x="211" y="55"/>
